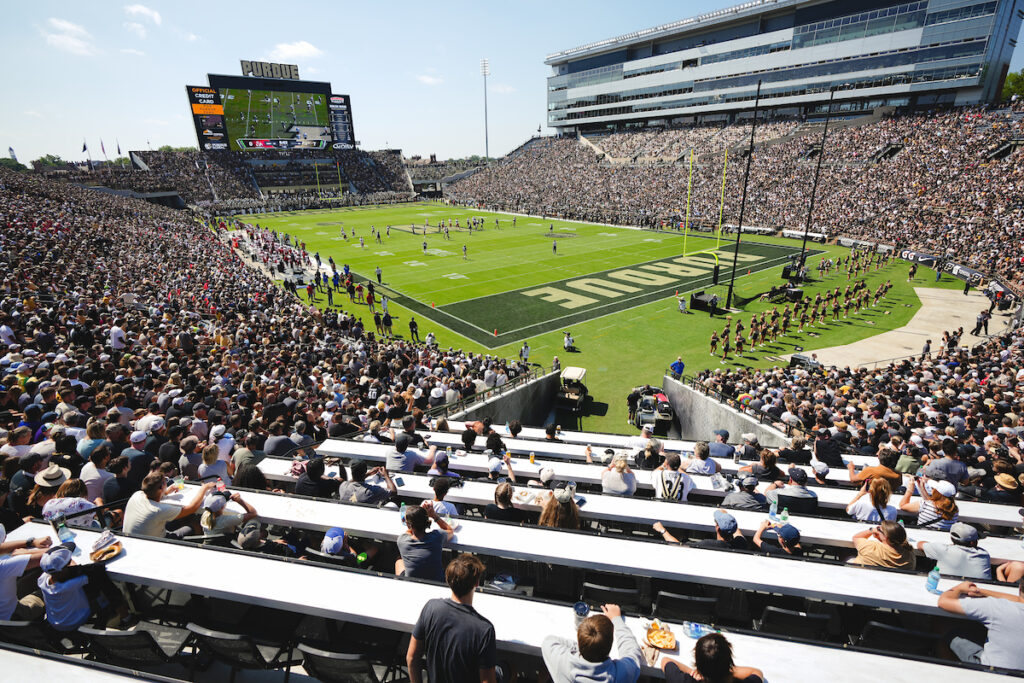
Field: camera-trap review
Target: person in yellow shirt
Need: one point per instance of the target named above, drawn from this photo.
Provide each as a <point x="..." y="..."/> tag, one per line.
<point x="884" y="546"/>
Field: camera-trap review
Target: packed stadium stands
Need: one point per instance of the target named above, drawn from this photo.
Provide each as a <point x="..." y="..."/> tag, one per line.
<point x="149" y="352"/>
<point x="936" y="193"/>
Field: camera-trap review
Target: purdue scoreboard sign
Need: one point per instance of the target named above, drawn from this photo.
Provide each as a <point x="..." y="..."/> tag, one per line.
<point x="270" y="70"/>
<point x="208" y="117"/>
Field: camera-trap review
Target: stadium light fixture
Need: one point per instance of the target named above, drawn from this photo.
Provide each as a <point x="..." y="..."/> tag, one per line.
<point x="485" y="71"/>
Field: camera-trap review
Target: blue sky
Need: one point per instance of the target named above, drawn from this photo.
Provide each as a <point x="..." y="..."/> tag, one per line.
<point x="116" y="70"/>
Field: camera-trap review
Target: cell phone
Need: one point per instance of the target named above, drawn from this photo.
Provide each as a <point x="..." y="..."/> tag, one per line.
<point x="332" y="474"/>
<point x="399" y="481"/>
<point x="580" y="501"/>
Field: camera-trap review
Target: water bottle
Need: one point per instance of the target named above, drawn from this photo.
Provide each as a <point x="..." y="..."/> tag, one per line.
<point x="773" y="511"/>
<point x="533" y="457"/>
<point x="401" y="512"/>
<point x="361" y="558"/>
<point x="507" y="430"/>
<point x="933" y="580"/>
<point x="63" y="532"/>
<point x="694" y="630"/>
<point x="900" y="522"/>
<point x="736" y="455"/>
<point x="448" y="452"/>
<point x="785" y="516"/>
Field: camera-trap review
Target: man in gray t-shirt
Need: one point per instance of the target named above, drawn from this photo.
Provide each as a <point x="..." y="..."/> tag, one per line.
<point x="357" y="490"/>
<point x="963" y="557"/>
<point x="747" y="498"/>
<point x="1002" y="615"/>
<point x="401" y="459"/>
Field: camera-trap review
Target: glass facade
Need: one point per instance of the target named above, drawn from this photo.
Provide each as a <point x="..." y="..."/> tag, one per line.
<point x="959" y="48"/>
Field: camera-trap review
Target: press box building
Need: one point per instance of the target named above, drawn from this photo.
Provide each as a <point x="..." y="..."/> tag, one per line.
<point x="875" y="52"/>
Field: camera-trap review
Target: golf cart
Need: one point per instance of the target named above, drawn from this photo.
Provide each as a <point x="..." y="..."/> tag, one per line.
<point x="572" y="392"/>
<point x="653" y="408"/>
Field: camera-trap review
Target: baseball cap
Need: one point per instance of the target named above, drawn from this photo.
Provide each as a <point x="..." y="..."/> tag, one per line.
<point x="748" y="482"/>
<point x="494" y="465"/>
<point x="546" y="475"/>
<point x="725" y="521"/>
<point x="963" y="533"/>
<point x="724" y="433"/>
<point x="941" y="487"/>
<point x="138" y="436"/>
<point x="750" y="436"/>
<point x="798" y="475"/>
<point x="214" y="502"/>
<point x="217" y="432"/>
<point x="55" y="559"/>
<point x="788" y="533"/>
<point x="333" y="541"/>
<point x="820" y="467"/>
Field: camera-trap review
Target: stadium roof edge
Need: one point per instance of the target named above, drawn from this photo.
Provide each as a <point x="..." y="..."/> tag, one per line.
<point x="701" y="21"/>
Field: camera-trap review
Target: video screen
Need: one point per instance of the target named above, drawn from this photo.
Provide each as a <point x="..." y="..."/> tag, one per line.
<point x="268" y="119"/>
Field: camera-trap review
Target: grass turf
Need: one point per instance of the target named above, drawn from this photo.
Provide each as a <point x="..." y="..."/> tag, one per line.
<point x="620" y="345"/>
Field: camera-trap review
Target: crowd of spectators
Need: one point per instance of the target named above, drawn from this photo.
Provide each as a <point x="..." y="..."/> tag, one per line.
<point x="938" y="192"/>
<point x="135" y="336"/>
<point x="422" y="170"/>
<point x="956" y="413"/>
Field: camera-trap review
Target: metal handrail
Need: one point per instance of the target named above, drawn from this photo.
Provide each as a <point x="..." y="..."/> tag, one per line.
<point x="448" y="409"/>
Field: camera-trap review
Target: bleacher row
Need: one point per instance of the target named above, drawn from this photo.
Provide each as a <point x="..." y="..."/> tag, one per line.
<point x="841" y="620"/>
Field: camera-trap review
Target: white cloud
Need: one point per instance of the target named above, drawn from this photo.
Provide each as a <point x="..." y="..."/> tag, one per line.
<point x="501" y="88"/>
<point x="300" y="49"/>
<point x="190" y="37"/>
<point x="427" y="79"/>
<point x="132" y="51"/>
<point x="136" y="28"/>
<point x="143" y="11"/>
<point x="64" y="35"/>
<point x="33" y="113"/>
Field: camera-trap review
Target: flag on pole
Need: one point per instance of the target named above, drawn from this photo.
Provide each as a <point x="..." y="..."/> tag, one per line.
<point x="10" y="151"/>
<point x="85" y="147"/>
<point x="118" y="146"/>
<point x="103" y="149"/>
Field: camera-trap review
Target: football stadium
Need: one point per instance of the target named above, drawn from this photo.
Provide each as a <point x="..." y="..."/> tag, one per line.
<point x="718" y="378"/>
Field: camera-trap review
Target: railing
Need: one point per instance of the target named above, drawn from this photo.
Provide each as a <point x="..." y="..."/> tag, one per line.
<point x="535" y="372"/>
<point x="789" y="430"/>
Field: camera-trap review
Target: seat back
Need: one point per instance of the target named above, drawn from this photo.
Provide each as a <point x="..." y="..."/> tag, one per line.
<point x="786" y="622"/>
<point x="125" y="648"/>
<point x="679" y="607"/>
<point x="36" y="635"/>
<point x="798" y="506"/>
<point x="235" y="650"/>
<point x="327" y="558"/>
<point x="337" y="667"/>
<point x="626" y="598"/>
<point x="879" y="636"/>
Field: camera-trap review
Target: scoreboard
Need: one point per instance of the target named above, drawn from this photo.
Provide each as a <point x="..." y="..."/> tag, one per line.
<point x="244" y="113"/>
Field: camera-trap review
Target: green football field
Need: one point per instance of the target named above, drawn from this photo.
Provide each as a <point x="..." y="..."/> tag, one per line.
<point x="614" y="288"/>
<point x="269" y="114"/>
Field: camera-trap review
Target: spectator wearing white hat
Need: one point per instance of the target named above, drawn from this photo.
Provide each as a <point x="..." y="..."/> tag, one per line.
<point x="935" y="508"/>
<point x="217" y="520"/>
<point x="138" y="459"/>
<point x="225" y="442"/>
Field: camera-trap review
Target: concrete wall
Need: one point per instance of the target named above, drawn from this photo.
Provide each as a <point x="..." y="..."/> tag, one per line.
<point x="530" y="403"/>
<point x="698" y="415"/>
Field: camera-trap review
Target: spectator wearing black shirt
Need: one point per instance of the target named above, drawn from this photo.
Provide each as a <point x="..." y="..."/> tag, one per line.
<point x="119" y="486"/>
<point x="797" y="453"/>
<point x="457" y="641"/>
<point x="786" y="540"/>
<point x="502" y="508"/>
<point x="827" y="450"/>
<point x="314" y="483"/>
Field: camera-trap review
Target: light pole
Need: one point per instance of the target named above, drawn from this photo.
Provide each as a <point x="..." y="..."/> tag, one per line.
<point x="817" y="172"/>
<point x="485" y="71"/>
<point x="743" y="199"/>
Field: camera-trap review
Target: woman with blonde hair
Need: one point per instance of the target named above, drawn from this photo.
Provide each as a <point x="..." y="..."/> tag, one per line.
<point x="213" y="466"/>
<point x="560" y="510"/>
<point x="871" y="504"/>
<point x="936" y="508"/>
<point x="94" y="436"/>
<point x="618" y="479"/>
